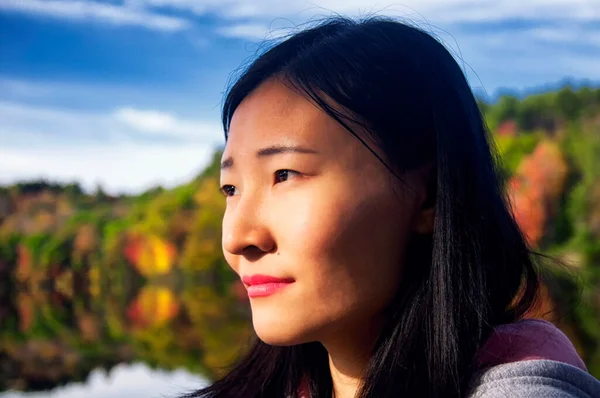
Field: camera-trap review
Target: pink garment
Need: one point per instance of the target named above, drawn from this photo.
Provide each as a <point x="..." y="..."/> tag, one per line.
<point x="520" y="341"/>
<point x="525" y="340"/>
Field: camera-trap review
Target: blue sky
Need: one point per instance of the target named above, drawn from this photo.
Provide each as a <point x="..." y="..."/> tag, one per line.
<point x="126" y="93"/>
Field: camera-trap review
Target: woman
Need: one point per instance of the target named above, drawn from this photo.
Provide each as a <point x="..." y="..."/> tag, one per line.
<point x="367" y="219"/>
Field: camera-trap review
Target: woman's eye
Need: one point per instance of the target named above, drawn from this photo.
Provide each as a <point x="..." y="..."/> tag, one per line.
<point x="284" y="175"/>
<point x="228" y="190"/>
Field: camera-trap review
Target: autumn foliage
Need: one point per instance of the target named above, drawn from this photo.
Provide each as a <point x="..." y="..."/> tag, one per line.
<point x="536" y="189"/>
<point x="149" y="254"/>
<point x="154" y="306"/>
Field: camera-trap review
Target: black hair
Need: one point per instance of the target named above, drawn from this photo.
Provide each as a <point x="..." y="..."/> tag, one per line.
<point x="474" y="272"/>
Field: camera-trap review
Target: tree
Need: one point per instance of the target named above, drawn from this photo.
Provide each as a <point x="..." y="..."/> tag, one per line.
<point x="536" y="189"/>
<point x="568" y="104"/>
<point x="99" y="193"/>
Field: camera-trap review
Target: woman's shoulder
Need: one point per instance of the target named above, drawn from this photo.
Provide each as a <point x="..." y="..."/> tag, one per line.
<point x="531" y="358"/>
<point x="534" y="378"/>
<point x="528" y="340"/>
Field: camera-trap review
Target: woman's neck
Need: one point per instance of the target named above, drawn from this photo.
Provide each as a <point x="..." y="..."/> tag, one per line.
<point x="349" y="355"/>
<point x="347" y="376"/>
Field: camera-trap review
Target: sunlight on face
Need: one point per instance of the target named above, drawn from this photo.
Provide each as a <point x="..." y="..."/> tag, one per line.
<point x="308" y="203"/>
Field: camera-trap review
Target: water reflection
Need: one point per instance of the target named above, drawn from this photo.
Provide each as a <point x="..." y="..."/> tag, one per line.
<point x="90" y="282"/>
<point x="123" y="381"/>
<point x="65" y="326"/>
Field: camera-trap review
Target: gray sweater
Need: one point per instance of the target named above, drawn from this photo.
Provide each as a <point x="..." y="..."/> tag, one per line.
<point x="534" y="378"/>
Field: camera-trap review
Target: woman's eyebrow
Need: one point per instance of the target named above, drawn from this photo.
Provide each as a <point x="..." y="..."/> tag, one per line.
<point x="278" y="149"/>
<point x="270" y="151"/>
<point x="227" y="163"/>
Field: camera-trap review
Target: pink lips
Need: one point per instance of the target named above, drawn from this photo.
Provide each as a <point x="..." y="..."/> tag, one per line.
<point x="265" y="285"/>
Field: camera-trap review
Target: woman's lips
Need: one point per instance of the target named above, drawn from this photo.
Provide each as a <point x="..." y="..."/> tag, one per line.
<point x="264" y="285"/>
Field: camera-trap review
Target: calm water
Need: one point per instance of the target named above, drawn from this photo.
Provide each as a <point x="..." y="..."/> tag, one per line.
<point x="101" y="332"/>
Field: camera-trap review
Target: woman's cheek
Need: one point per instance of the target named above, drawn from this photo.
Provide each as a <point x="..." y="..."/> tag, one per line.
<point x="306" y="222"/>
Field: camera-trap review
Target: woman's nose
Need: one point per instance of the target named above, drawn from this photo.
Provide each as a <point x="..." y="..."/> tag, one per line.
<point x="245" y="231"/>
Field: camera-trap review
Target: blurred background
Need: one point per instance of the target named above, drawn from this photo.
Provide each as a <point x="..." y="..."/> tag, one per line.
<point x="111" y="276"/>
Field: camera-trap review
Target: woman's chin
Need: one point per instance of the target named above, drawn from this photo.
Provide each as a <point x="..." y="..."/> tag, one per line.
<point x="280" y="334"/>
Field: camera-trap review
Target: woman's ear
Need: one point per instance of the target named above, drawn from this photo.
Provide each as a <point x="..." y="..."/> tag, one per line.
<point x="426" y="217"/>
<point x="425" y="220"/>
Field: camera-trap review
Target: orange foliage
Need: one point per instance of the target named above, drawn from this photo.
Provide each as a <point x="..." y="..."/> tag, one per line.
<point x="89" y="327"/>
<point x="25" y="308"/>
<point x="154" y="306"/>
<point x="24" y="262"/>
<point x="86" y="240"/>
<point x="149" y="254"/>
<point x="44" y="221"/>
<point x="536" y="188"/>
<point x="508" y="128"/>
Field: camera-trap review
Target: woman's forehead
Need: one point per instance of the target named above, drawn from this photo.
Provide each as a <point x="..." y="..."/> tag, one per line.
<point x="276" y="114"/>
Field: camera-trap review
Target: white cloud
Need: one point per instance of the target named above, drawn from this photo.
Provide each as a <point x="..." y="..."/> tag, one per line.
<point x="458" y="11"/>
<point x="82" y="10"/>
<point x="567" y="34"/>
<point x="259" y="13"/>
<point x="124" y="381"/>
<point x="51" y="89"/>
<point x="58" y="127"/>
<point x="127" y="168"/>
<point x="44" y="126"/>
<point x="152" y="121"/>
<point x="101" y="94"/>
<point x="245" y="31"/>
<point x="126" y="150"/>
<point x="542" y="54"/>
<point x="157" y="122"/>
<point x="560" y="21"/>
<point x="555" y="40"/>
<point x="432" y="15"/>
<point x="433" y="10"/>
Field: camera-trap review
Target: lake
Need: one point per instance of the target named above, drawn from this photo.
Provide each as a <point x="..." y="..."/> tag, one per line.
<point x="101" y="332"/>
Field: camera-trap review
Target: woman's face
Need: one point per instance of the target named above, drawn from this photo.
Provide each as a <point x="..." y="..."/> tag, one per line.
<point x="308" y="203"/>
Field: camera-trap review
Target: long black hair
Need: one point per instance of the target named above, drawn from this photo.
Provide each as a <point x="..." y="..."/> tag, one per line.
<point x="474" y="272"/>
